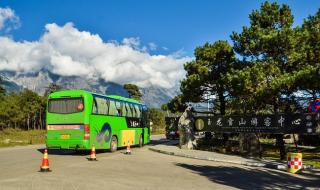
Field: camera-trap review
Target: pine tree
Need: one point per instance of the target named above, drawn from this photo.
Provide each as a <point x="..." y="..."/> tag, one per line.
<point x="133" y="91"/>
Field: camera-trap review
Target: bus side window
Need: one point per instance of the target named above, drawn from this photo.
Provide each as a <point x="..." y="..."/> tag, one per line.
<point x="108" y="106"/>
<point x="100" y="106"/>
<point x="133" y="110"/>
<point x="140" y="109"/>
<point x="123" y="108"/>
<point x="112" y="108"/>
<point x="95" y="106"/>
<point x="105" y="107"/>
<point x="136" y="107"/>
<point x="129" y="113"/>
<point x="118" y="106"/>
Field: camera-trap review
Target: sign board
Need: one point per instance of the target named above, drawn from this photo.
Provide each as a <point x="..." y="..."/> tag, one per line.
<point x="282" y="123"/>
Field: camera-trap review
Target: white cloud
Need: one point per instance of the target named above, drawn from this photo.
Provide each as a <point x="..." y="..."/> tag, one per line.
<point x="66" y="51"/>
<point x="132" y="42"/>
<point x="152" y="46"/>
<point x="8" y="20"/>
<point x="165" y="48"/>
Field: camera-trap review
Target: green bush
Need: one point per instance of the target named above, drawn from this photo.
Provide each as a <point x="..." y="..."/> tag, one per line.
<point x="158" y="121"/>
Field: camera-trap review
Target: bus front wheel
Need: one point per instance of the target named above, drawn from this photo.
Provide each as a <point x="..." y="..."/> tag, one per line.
<point x="114" y="144"/>
<point x="141" y="141"/>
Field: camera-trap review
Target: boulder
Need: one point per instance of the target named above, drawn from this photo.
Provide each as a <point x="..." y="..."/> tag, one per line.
<point x="186" y="131"/>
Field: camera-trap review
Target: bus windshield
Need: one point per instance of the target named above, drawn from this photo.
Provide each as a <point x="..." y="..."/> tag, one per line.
<point x="65" y="105"/>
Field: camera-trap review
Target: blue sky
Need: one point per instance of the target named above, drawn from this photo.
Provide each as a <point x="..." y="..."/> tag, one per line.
<point x="148" y="42"/>
<point x="171" y="25"/>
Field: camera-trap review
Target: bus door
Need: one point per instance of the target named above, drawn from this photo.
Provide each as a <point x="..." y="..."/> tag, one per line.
<point x="145" y="122"/>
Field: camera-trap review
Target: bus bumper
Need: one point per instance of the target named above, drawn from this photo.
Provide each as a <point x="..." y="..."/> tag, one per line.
<point x="70" y="144"/>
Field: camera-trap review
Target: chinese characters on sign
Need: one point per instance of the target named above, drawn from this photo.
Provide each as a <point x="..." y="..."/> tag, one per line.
<point x="282" y="123"/>
<point x="254" y="121"/>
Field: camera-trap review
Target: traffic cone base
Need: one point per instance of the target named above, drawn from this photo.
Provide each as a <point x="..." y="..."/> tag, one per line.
<point x="128" y="151"/>
<point x="92" y="159"/>
<point x="93" y="154"/>
<point x="44" y="169"/>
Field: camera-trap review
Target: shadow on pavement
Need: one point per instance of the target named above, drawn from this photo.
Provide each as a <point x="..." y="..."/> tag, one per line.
<point x="70" y="152"/>
<point x="164" y="141"/>
<point x="253" y="178"/>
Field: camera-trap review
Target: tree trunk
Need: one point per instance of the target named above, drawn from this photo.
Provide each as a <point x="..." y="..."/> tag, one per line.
<point x="280" y="145"/>
<point x="222" y="102"/>
<point x="44" y="119"/>
<point x="242" y="144"/>
<point x="28" y="122"/>
<point x="279" y="137"/>
<point x="40" y="119"/>
<point x="223" y="112"/>
<point x="34" y="122"/>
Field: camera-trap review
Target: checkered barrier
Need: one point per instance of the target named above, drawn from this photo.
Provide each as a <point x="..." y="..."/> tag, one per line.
<point x="294" y="162"/>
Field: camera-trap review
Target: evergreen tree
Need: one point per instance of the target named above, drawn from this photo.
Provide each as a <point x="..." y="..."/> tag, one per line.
<point x="267" y="46"/>
<point x="53" y="87"/>
<point x="2" y="90"/>
<point x="308" y="56"/>
<point x="133" y="91"/>
<point x="177" y="104"/>
<point x="206" y="76"/>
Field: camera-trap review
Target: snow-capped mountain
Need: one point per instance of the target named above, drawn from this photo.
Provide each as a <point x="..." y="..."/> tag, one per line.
<point x="153" y="96"/>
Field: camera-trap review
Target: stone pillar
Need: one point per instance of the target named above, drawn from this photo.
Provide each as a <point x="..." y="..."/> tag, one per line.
<point x="186" y="131"/>
<point x="249" y="145"/>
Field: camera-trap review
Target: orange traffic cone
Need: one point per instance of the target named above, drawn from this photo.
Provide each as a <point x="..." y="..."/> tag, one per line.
<point x="128" y="151"/>
<point x="45" y="162"/>
<point x="93" y="154"/>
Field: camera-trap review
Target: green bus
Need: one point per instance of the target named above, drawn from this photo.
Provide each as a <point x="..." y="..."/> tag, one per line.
<point x="78" y="119"/>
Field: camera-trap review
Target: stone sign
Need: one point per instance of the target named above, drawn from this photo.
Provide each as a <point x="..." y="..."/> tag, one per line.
<point x="277" y="124"/>
<point x="282" y="123"/>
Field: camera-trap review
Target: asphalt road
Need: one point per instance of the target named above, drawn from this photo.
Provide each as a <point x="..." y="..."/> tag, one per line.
<point x="143" y="169"/>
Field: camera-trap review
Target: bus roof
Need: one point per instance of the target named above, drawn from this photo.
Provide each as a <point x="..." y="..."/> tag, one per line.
<point x="64" y="93"/>
<point x="123" y="99"/>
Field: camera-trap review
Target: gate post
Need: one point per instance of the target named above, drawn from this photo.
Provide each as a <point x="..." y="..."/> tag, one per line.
<point x="280" y="145"/>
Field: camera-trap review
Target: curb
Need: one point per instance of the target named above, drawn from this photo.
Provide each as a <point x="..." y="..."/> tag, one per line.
<point x="252" y="164"/>
<point x="18" y="147"/>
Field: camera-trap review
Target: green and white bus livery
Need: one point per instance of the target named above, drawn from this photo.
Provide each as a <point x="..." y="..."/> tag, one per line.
<point x="78" y="119"/>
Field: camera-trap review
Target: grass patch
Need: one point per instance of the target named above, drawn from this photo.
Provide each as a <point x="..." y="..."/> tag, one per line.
<point x="13" y="137"/>
<point x="267" y="141"/>
<point x="309" y="156"/>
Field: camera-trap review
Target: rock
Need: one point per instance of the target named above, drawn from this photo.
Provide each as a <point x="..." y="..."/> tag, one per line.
<point x="186" y="132"/>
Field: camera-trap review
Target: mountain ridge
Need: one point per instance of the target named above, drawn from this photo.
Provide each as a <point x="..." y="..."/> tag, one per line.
<point x="153" y="96"/>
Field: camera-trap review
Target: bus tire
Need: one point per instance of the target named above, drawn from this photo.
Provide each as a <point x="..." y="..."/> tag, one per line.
<point x="141" y="141"/>
<point x="113" y="144"/>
